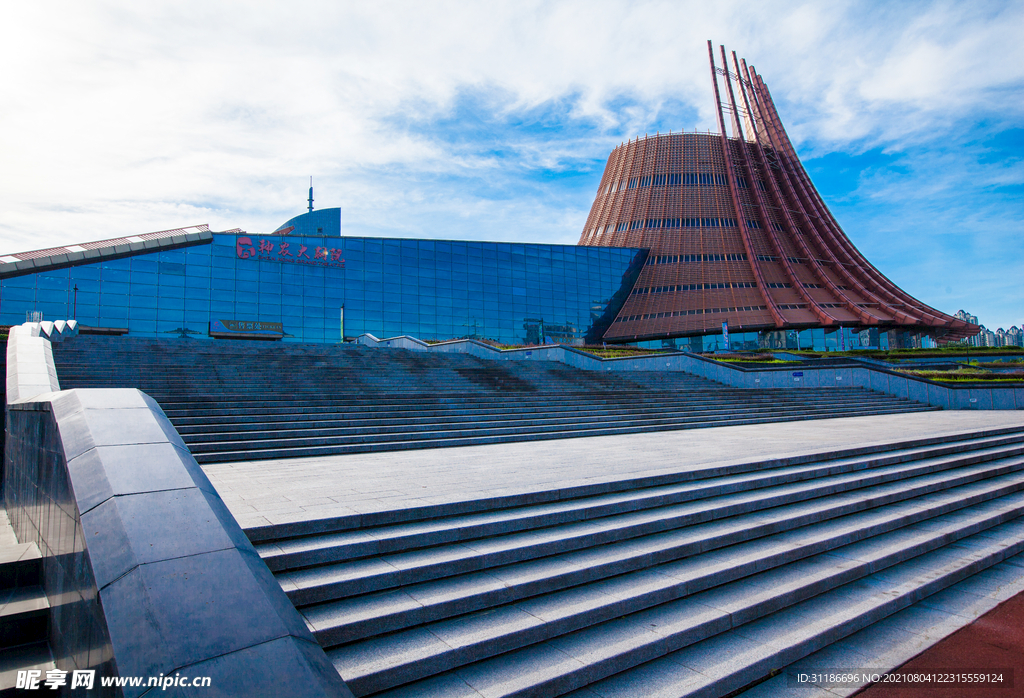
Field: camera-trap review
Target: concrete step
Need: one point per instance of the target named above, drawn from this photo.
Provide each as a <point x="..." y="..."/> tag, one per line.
<point x="420" y="398"/>
<point x="880" y="453"/>
<point x="914" y="555"/>
<point x="890" y="643"/>
<point x="625" y="587"/>
<point x="540" y="599"/>
<point x="192" y="425"/>
<point x="259" y="428"/>
<point x="360" y="617"/>
<point x="24" y="614"/>
<point x="715" y="643"/>
<point x="253" y="404"/>
<point x="396" y="430"/>
<point x="456" y="414"/>
<point x="741" y="656"/>
<point x="20" y="563"/>
<point x="448" y="526"/>
<point x="24" y="610"/>
<point x="498" y="406"/>
<point x="662" y="534"/>
<point x="160" y="368"/>
<point x="435" y="406"/>
<point x="257" y="453"/>
<point x="31" y="657"/>
<point x="417" y="393"/>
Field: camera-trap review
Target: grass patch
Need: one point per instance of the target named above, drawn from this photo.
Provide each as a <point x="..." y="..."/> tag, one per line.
<point x="619" y="352"/>
<point x="971" y="375"/>
<point x="752" y="359"/>
<point x="899" y="355"/>
<point x="944" y="353"/>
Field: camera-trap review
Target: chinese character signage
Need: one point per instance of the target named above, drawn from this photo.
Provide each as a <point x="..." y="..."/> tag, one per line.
<point x="227" y="328"/>
<point x="277" y="250"/>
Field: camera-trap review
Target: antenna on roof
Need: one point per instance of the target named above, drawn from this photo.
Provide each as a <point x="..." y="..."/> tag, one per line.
<point x="311" y="194"/>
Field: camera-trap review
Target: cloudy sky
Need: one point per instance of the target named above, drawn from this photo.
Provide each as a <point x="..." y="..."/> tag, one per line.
<point x="492" y="120"/>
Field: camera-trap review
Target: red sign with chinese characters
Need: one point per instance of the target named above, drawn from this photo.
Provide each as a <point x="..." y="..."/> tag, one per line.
<point x="293" y="252"/>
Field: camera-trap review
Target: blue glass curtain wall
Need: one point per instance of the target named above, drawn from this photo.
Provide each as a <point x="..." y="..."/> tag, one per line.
<point x="817" y="339"/>
<point x="512" y="293"/>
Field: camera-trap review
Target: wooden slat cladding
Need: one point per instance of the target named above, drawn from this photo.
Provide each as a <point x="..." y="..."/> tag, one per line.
<point x="737" y="232"/>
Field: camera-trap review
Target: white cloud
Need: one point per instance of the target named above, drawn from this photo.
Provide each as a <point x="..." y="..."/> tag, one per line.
<point x="121" y="118"/>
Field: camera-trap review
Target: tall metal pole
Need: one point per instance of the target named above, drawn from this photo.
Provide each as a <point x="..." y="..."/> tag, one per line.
<point x="784" y="187"/>
<point x="762" y="208"/>
<point x="741" y="218"/>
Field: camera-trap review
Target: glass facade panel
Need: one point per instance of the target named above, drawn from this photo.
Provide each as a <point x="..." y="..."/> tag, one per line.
<point x="509" y="293"/>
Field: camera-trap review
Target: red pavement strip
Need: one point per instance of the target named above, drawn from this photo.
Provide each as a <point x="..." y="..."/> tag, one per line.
<point x="992" y="644"/>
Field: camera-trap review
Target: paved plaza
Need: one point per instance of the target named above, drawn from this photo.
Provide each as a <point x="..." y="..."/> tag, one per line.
<point x="265" y="492"/>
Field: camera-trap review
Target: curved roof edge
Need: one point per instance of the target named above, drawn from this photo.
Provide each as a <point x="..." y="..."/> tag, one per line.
<point x="324" y="222"/>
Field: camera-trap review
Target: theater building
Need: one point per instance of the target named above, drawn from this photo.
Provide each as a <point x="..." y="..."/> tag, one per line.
<point x="692" y="238"/>
<point x="738" y="234"/>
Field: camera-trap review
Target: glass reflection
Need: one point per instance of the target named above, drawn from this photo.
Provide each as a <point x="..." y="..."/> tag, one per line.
<point x="508" y="293"/>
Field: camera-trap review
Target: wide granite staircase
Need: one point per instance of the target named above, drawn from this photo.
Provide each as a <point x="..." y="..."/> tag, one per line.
<point x="235" y="401"/>
<point x="701" y="583"/>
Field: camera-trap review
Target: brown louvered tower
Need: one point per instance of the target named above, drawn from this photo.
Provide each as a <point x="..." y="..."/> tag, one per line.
<point x="737" y="232"/>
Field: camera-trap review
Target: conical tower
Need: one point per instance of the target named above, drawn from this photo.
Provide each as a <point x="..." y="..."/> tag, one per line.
<point x="738" y="233"/>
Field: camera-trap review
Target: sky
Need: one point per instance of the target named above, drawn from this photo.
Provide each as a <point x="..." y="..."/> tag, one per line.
<point x="493" y="120"/>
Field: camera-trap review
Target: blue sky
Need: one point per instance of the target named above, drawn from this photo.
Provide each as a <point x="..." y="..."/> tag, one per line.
<point x="493" y="120"/>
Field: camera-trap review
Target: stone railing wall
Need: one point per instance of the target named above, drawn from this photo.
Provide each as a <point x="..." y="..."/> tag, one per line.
<point x="145" y="569"/>
<point x="952" y="397"/>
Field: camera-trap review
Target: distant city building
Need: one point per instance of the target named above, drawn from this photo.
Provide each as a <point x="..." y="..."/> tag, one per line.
<point x="1012" y="337"/>
<point x="976" y="340"/>
<point x="1015" y="337"/>
<point x="1008" y="338"/>
<point x="966" y="317"/>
